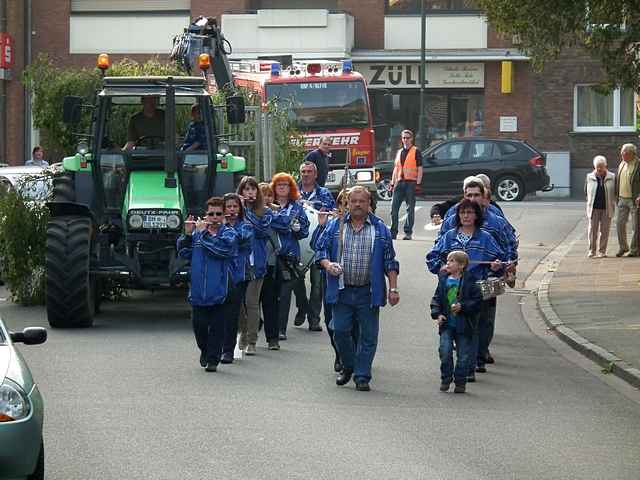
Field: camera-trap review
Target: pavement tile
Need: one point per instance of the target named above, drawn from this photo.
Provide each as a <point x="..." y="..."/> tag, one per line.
<point x="599" y="301"/>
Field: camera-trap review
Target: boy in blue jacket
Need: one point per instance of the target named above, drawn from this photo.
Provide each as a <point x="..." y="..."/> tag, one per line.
<point x="455" y="307"/>
<point x="211" y="246"/>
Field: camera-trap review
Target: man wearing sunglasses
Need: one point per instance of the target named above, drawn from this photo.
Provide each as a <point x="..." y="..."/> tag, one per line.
<point x="407" y="173"/>
<point x="209" y="245"/>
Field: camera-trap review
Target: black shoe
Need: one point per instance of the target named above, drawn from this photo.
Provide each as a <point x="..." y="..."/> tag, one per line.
<point x="299" y="320"/>
<point x="394" y="236"/>
<point x="315" y="327"/>
<point x="211" y="367"/>
<point x="203" y="360"/>
<point x="621" y="252"/>
<point x="337" y="365"/>
<point x="631" y="254"/>
<point x="444" y="386"/>
<point x="344" y="377"/>
<point x="481" y="369"/>
<point x="363" y="386"/>
<point x="226" y="358"/>
<point x="282" y="336"/>
<point x="490" y="360"/>
<point x="471" y="378"/>
<point x="460" y="389"/>
<point x="407" y="236"/>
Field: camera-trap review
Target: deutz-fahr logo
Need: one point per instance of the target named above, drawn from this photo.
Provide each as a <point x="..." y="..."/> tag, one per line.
<point x="336" y="139"/>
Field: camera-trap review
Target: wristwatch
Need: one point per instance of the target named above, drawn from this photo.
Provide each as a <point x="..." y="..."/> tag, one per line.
<point x="394" y="290"/>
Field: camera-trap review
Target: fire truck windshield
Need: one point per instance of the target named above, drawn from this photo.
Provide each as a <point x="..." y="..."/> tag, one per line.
<point x="323" y="104"/>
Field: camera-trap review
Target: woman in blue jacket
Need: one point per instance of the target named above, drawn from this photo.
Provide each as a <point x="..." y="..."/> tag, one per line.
<point x="291" y="224"/>
<point x="210" y="246"/>
<point x="241" y="271"/>
<point x="259" y="217"/>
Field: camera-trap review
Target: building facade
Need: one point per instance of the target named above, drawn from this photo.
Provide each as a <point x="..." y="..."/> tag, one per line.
<point x="478" y="84"/>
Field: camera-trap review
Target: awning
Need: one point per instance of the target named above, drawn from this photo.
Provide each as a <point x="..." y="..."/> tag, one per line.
<point x="459" y="55"/>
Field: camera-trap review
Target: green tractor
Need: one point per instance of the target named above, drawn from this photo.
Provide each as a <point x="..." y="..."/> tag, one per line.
<point x="118" y="208"/>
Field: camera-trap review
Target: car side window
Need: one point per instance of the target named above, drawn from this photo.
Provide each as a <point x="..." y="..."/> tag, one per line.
<point x="507" y="148"/>
<point x="450" y="152"/>
<point x="482" y="151"/>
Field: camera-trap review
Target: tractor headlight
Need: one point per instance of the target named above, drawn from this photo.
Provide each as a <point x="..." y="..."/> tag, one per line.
<point x="14" y="404"/>
<point x="364" y="176"/>
<point x="135" y="221"/>
<point x="173" y="221"/>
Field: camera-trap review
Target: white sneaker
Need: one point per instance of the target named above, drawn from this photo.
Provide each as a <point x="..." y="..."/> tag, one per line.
<point x="591" y="255"/>
<point x="602" y="255"/>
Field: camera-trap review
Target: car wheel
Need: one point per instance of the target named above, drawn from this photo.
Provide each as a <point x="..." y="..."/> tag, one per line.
<point x="383" y="189"/>
<point x="509" y="189"/>
<point x="38" y="473"/>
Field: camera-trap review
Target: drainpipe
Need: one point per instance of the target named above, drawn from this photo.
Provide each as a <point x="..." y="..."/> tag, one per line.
<point x="27" y="94"/>
<point x="3" y="92"/>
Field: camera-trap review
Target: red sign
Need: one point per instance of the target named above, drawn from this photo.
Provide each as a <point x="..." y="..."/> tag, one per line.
<point x="6" y="50"/>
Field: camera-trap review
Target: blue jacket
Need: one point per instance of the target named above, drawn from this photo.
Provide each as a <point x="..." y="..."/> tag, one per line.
<point x="261" y="232"/>
<point x="240" y="264"/>
<point x="321" y="197"/>
<point x="470" y="299"/>
<point x="287" y="238"/>
<point x="210" y="257"/>
<point x="481" y="247"/>
<point x="195" y="134"/>
<point x="497" y="226"/>
<point x="383" y="259"/>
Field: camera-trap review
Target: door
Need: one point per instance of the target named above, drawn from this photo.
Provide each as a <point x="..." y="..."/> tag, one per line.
<point x="440" y="165"/>
<point x="483" y="156"/>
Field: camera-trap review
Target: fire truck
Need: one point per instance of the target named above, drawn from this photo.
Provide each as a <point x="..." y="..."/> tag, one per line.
<point x="323" y="98"/>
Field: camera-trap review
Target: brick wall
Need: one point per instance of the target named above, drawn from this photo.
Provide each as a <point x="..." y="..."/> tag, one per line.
<point x="215" y="8"/>
<point x="369" y="22"/>
<point x="518" y="103"/>
<point x="552" y="92"/>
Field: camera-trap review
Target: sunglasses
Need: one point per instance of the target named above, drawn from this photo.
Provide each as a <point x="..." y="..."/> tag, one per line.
<point x="214" y="214"/>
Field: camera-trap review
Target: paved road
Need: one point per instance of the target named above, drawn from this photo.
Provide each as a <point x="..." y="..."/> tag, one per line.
<point x="127" y="398"/>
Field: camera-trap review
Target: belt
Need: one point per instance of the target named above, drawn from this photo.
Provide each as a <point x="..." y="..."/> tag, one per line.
<point x="358" y="286"/>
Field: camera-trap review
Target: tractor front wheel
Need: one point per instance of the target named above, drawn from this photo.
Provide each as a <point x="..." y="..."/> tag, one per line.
<point x="70" y="288"/>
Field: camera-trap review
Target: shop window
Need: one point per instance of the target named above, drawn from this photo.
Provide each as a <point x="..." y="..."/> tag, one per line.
<point x="595" y="111"/>
<point x="412" y="7"/>
<point x="447" y="115"/>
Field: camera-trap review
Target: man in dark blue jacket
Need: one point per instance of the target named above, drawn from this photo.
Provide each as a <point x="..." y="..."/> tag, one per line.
<point x="320" y="158"/>
<point x="357" y="257"/>
<point x="211" y="247"/>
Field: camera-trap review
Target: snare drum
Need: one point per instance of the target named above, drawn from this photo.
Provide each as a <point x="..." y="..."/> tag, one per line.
<point x="491" y="287"/>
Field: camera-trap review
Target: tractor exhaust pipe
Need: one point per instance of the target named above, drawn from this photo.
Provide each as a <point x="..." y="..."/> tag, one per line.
<point x="171" y="164"/>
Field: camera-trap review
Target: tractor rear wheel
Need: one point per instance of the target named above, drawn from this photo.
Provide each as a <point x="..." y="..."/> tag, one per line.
<point x="70" y="288"/>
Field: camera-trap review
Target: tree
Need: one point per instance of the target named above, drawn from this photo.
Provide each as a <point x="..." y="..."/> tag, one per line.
<point x="609" y="30"/>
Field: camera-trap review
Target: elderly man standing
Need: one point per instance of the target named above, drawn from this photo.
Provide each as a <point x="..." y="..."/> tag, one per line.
<point x="357" y="254"/>
<point x="407" y="173"/>
<point x="628" y="198"/>
<point x="599" y="188"/>
<point x="320" y="157"/>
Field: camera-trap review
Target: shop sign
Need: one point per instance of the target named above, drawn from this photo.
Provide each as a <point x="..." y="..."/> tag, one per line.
<point x="6" y="50"/>
<point x="407" y="75"/>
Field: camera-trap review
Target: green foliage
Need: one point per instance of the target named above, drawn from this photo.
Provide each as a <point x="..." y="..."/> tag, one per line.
<point x="23" y="232"/>
<point x="609" y="30"/>
<point x="50" y="84"/>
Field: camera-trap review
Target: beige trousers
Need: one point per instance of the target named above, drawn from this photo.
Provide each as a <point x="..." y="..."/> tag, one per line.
<point x="249" y="320"/>
<point x="599" y="222"/>
<point x="626" y="207"/>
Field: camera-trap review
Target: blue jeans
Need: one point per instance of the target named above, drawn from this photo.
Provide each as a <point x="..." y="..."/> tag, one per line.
<point x="464" y="353"/>
<point x="486" y="327"/>
<point x="208" y="328"/>
<point x="354" y="310"/>
<point x="403" y="192"/>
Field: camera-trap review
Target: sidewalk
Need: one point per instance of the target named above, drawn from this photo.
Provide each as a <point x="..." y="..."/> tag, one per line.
<point x="597" y="305"/>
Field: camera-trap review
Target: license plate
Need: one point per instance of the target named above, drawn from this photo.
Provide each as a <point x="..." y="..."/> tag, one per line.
<point x="154" y="221"/>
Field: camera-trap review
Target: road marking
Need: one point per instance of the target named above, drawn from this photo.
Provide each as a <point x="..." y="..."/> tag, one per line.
<point x="404" y="217"/>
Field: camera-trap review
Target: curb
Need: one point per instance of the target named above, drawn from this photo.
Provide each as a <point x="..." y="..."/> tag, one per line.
<point x="540" y="281"/>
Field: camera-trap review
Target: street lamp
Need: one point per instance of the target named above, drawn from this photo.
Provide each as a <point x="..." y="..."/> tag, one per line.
<point x="421" y="140"/>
